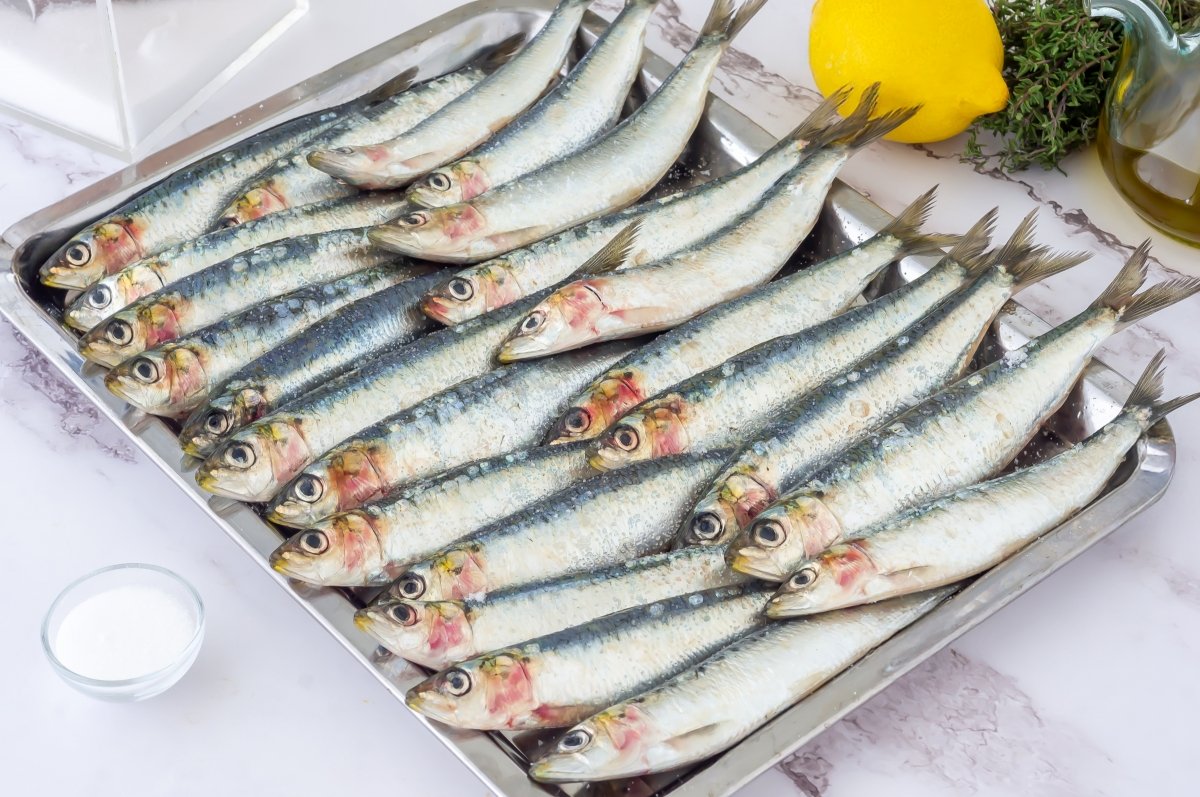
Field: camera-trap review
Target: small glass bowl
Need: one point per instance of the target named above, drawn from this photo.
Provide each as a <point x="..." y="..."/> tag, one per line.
<point x="126" y="690"/>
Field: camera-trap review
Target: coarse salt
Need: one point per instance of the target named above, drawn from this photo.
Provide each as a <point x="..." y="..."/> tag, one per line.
<point x="125" y="632"/>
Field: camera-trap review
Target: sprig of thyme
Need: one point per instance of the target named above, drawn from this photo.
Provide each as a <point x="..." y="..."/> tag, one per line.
<point x="1058" y="62"/>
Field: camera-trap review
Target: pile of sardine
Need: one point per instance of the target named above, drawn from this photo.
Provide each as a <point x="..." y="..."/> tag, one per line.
<point x="658" y="543"/>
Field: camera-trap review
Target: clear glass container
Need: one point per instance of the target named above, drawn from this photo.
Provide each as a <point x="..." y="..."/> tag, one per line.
<point x="118" y="74"/>
<point x="145" y="685"/>
<point x="1149" y="134"/>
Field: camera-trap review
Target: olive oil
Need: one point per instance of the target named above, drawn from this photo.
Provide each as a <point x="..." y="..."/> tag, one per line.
<point x="1164" y="193"/>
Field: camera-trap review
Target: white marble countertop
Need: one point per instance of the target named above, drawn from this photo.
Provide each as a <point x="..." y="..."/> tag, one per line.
<point x="1087" y="685"/>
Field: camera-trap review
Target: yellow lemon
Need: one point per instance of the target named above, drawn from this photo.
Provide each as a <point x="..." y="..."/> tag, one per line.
<point x="945" y="55"/>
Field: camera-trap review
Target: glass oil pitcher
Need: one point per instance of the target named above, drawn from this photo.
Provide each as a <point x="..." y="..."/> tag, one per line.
<point x="1149" y="135"/>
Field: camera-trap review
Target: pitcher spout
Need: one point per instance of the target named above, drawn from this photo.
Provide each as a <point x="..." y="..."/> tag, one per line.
<point x="1143" y="20"/>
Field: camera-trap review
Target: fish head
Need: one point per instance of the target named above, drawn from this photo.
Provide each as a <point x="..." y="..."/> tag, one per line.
<point x="726" y="510"/>
<point x="431" y="233"/>
<point x="129" y="332"/>
<point x="434" y="634"/>
<point x="371" y="166"/>
<point x="564" y="320"/>
<point x="164" y="381"/>
<point x="606" y="400"/>
<point x="492" y="692"/>
<point x="473" y="292"/>
<point x="255" y="462"/>
<point x="656" y="429"/>
<point x="783" y="536"/>
<point x="341" y="480"/>
<point x="617" y="742"/>
<point x="454" y="574"/>
<point x="341" y="551"/>
<point x="262" y="200"/>
<point x="211" y="422"/>
<point x="101" y="249"/>
<point x="831" y="580"/>
<point x="99" y="301"/>
<point x="449" y="185"/>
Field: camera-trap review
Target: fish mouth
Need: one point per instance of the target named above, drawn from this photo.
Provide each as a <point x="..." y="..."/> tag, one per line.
<point x="785" y="605"/>
<point x="558" y="768"/>
<point x="101" y="353"/>
<point x="431" y="704"/>
<point x="753" y="563"/>
<point x="82" y="318"/>
<point x="440" y="309"/>
<point x="521" y="348"/>
<point x="395" y="239"/>
<point x="67" y="277"/>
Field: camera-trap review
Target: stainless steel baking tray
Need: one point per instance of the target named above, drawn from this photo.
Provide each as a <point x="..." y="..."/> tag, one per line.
<point x="725" y="139"/>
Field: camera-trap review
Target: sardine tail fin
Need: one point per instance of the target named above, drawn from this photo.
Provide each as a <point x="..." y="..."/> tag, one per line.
<point x="907" y="228"/>
<point x="725" y="20"/>
<point x="613" y="254"/>
<point x="1020" y="244"/>
<point x="1147" y="393"/>
<point x="1158" y="297"/>
<point x="822" y="117"/>
<point x="969" y="251"/>
<point x="495" y="57"/>
<point x="392" y="86"/>
<point x="1038" y="265"/>
<point x="1128" y="281"/>
<point x="880" y="126"/>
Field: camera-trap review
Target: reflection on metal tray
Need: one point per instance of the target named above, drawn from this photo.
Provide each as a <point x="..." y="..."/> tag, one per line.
<point x="724" y="140"/>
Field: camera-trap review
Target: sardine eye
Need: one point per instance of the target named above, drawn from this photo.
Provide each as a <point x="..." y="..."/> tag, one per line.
<point x="145" y="370"/>
<point x="439" y="181"/>
<point x="460" y="289"/>
<point x="577" y="421"/>
<point x="575" y="740"/>
<point x="314" y="542"/>
<point x="216" y="422"/>
<point x="626" y="438"/>
<point x="803" y="577"/>
<point x="457" y="682"/>
<point x="227" y="222"/>
<point x="769" y="533"/>
<point x="309" y="488"/>
<point x="414" y="219"/>
<point x="239" y="455"/>
<point x="533" y="322"/>
<point x="411" y="586"/>
<point x="119" y="332"/>
<point x="78" y="254"/>
<point x="99" y="297"/>
<point x="707" y="526"/>
<point x="344" y="150"/>
<point x="403" y="614"/>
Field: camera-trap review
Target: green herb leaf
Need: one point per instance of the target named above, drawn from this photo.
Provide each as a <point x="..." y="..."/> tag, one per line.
<point x="1058" y="63"/>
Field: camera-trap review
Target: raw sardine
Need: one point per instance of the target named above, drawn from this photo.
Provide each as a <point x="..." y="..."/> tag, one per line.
<point x="609" y="174"/>
<point x="723" y="699"/>
<point x="292" y="182"/>
<point x="923" y="359"/>
<point x="608" y="519"/>
<point x="228" y="287"/>
<point x="327" y="349"/>
<point x="783" y="307"/>
<point x="585" y="104"/>
<point x="370" y="545"/>
<point x="561" y="678"/>
<point x="667" y="225"/>
<point x="173" y="379"/>
<point x="437" y="634"/>
<point x="254" y="463"/>
<point x="955" y="438"/>
<point x="965" y="533"/>
<point x="501" y="411"/>
<point x="671" y="291"/>
<point x="777" y="372"/>
<point x="117" y="291"/>
<point x="467" y="121"/>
